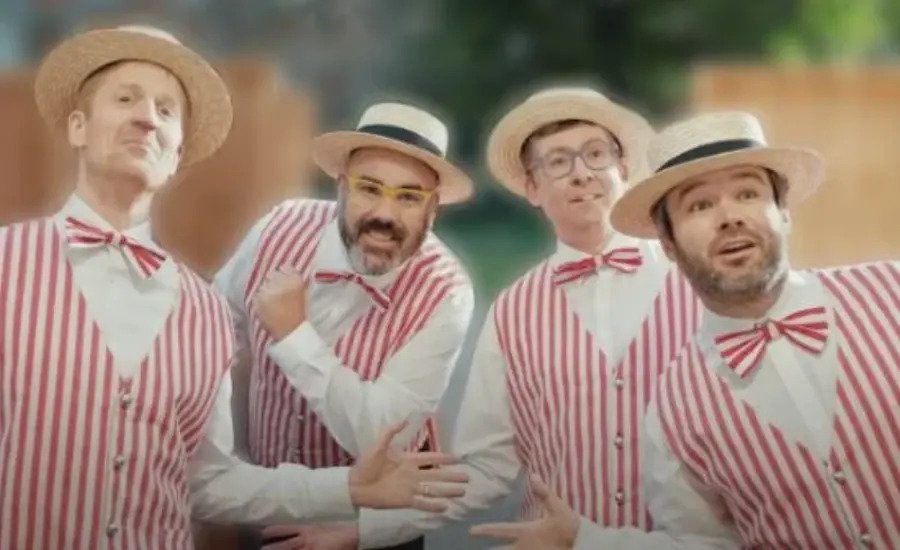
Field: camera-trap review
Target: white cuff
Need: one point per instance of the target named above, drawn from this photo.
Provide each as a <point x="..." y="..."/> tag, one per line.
<point x="329" y="490"/>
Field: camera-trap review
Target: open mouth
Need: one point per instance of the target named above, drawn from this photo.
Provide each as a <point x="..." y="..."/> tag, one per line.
<point x="379" y="238"/>
<point x="736" y="247"/>
<point x="589" y="197"/>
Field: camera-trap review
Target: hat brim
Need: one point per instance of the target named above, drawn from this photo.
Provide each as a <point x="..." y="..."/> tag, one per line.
<point x="64" y="70"/>
<point x="332" y="150"/>
<point x="506" y="140"/>
<point x="802" y="168"/>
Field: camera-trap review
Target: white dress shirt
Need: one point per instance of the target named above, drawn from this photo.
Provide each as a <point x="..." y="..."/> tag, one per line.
<point x="790" y="388"/>
<point x="355" y="411"/>
<point x="130" y="311"/>
<point x="612" y="305"/>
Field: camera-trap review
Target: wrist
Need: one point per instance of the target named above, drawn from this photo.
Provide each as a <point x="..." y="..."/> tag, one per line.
<point x="356" y="489"/>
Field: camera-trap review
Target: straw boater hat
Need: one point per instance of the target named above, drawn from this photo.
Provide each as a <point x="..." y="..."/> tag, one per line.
<point x="555" y="105"/>
<point x="65" y="69"/>
<point x="402" y="128"/>
<point x="703" y="144"/>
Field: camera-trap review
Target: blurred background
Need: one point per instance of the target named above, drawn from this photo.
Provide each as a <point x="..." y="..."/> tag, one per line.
<point x="822" y="73"/>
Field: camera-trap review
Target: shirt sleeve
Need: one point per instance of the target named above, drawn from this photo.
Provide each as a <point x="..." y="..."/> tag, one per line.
<point x="409" y="387"/>
<point x="484" y="441"/>
<point x="225" y="489"/>
<point x="231" y="282"/>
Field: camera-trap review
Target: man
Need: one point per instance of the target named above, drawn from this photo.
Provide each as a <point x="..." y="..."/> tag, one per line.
<point x="778" y="425"/>
<point x="569" y="353"/>
<point x="114" y="391"/>
<point x="352" y="313"/>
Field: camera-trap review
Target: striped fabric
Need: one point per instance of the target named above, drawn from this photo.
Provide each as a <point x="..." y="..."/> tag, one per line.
<point x="742" y="350"/>
<point x="778" y="492"/>
<point x="282" y="427"/>
<point x="578" y="418"/>
<point x="626" y="260"/>
<point x="89" y="459"/>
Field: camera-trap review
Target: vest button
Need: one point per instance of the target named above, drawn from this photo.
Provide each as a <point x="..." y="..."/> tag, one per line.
<point x="127" y="399"/>
<point x="619" y="441"/>
<point x="620" y="383"/>
<point x="118" y="462"/>
<point x="620" y="498"/>
<point x="867" y="539"/>
<point x="111" y="530"/>
<point x="839" y="476"/>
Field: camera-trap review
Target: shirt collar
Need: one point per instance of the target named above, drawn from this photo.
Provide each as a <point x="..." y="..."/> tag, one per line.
<point x="76" y="207"/>
<point x="565" y="253"/>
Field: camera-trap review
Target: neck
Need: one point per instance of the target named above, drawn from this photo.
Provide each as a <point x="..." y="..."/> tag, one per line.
<point x="591" y="239"/>
<point x="747" y="306"/>
<point x="123" y="203"/>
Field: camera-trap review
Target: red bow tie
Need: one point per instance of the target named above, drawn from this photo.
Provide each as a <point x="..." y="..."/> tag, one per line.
<point x="626" y="260"/>
<point x="743" y="350"/>
<point x="380" y="298"/>
<point x="145" y="261"/>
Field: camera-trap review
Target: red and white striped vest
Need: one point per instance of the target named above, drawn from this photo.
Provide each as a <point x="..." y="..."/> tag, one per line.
<point x="282" y="427"/>
<point x="778" y="492"/>
<point x="89" y="459"/>
<point x="560" y="387"/>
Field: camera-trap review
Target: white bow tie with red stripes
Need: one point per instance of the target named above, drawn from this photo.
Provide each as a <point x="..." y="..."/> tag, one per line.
<point x="144" y="260"/>
<point x="379" y="297"/>
<point x="626" y="260"/>
<point x="743" y="350"/>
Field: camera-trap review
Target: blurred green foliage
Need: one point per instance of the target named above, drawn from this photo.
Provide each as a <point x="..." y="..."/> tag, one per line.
<point x="474" y="58"/>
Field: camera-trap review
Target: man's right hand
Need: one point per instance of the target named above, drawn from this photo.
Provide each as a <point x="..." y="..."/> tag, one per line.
<point x="385" y="478"/>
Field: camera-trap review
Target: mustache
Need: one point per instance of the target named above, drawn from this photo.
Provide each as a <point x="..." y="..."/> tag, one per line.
<point x="378" y="224"/>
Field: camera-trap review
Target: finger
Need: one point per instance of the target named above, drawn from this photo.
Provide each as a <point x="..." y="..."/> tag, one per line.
<point x="293" y="543"/>
<point x="384" y="442"/>
<point x="511" y="531"/>
<point x="443" y="490"/>
<point x="431" y="459"/>
<point x="281" y="530"/>
<point x="424" y="504"/>
<point x="541" y="490"/>
<point x="447" y="476"/>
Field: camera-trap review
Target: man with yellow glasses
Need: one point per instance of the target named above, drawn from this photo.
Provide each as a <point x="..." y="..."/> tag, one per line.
<point x="351" y="314"/>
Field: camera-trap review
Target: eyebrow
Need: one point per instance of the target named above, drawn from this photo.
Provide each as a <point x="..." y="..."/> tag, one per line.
<point x="373" y="179"/>
<point x="135" y="87"/>
<point x="693" y="184"/>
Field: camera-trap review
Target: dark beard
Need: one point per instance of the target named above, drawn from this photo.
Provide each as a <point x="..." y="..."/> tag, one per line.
<point x="708" y="281"/>
<point x="409" y="244"/>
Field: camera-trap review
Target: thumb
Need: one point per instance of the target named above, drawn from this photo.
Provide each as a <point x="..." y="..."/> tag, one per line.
<point x="384" y="442"/>
<point x="551" y="502"/>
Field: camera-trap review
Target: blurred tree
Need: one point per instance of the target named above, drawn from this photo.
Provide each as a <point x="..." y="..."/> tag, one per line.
<point x="473" y="58"/>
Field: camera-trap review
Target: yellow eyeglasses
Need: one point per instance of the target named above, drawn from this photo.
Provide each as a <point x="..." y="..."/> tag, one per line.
<point x="372" y="191"/>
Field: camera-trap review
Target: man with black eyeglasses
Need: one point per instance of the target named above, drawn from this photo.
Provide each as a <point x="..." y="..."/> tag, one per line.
<point x="570" y="352"/>
<point x="351" y="314"/>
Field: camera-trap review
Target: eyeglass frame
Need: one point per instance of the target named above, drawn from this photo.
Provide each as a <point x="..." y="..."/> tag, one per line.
<point x="386" y="191"/>
<point x="614" y="146"/>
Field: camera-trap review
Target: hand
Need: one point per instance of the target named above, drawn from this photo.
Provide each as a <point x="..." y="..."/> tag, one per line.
<point x="280" y="302"/>
<point x="556" y="530"/>
<point x="335" y="536"/>
<point x="385" y="478"/>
